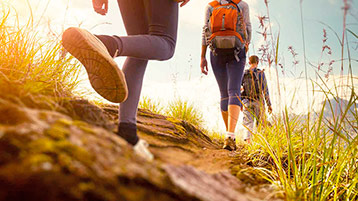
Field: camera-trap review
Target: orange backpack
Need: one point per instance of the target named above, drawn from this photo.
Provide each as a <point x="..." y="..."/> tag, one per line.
<point x="226" y="25"/>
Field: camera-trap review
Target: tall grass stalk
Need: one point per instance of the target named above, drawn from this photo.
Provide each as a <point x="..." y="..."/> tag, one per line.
<point x="275" y="53"/>
<point x="345" y="12"/>
<point x="304" y="54"/>
<point x="306" y="73"/>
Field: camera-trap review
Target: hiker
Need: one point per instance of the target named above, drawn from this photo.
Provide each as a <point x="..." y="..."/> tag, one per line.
<point x="151" y="26"/>
<point x="227" y="32"/>
<point x="255" y="92"/>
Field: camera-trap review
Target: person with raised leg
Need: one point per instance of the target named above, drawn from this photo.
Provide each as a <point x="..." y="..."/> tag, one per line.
<point x="151" y="26"/>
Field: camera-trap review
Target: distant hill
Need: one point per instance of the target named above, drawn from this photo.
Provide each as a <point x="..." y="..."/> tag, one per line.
<point x="336" y="107"/>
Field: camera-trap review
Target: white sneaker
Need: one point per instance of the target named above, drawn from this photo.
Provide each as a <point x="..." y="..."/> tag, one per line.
<point x="141" y="149"/>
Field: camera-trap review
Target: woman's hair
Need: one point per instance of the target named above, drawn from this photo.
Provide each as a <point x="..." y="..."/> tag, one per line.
<point x="254" y="59"/>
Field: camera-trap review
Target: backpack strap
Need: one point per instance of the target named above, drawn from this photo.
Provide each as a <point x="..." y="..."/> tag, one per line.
<point x="260" y="72"/>
<point x="236" y="1"/>
<point x="256" y="74"/>
<point x="214" y="3"/>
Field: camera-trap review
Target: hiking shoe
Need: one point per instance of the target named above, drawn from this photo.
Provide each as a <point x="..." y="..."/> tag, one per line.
<point x="230" y="144"/>
<point x="141" y="149"/>
<point x="105" y="76"/>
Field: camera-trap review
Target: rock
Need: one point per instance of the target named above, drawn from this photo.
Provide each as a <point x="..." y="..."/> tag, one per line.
<point x="82" y="110"/>
<point x="204" y="186"/>
<point x="47" y="155"/>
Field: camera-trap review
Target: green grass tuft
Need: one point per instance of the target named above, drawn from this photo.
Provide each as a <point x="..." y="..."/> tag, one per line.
<point x="184" y="110"/>
<point x="151" y="105"/>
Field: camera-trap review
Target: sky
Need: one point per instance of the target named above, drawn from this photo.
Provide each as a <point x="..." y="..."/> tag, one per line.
<point x="180" y="76"/>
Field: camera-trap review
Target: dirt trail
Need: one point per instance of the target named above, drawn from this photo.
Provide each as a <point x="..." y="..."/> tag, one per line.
<point x="197" y="150"/>
<point x="208" y="160"/>
<point x="171" y="142"/>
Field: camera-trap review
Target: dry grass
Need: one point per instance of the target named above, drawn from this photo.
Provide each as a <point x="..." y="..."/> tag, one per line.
<point x="33" y="70"/>
<point x="312" y="156"/>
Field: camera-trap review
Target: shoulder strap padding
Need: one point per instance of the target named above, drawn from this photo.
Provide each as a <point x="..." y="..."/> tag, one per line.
<point x="236" y="1"/>
<point x="214" y="3"/>
<point x="262" y="72"/>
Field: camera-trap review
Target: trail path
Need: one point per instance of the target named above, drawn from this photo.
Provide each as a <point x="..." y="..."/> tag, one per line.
<point x="179" y="144"/>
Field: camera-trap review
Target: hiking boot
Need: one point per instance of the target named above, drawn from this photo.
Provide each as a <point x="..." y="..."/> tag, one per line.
<point x="230" y="144"/>
<point x="104" y="75"/>
<point x="141" y="149"/>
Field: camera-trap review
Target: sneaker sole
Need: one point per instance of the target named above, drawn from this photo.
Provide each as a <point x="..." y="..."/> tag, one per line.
<point x="105" y="76"/>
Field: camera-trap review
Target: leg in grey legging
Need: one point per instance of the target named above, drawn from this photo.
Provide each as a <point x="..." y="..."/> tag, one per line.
<point x="160" y="18"/>
<point x="134" y="71"/>
<point x="151" y="26"/>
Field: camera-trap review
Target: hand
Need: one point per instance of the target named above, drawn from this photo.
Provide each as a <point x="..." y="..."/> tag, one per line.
<point x="204" y="66"/>
<point x="269" y="109"/>
<point x="100" y="6"/>
<point x="184" y="2"/>
<point x="246" y="47"/>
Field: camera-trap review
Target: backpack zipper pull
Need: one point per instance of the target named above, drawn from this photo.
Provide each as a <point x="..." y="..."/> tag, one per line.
<point x="223" y="24"/>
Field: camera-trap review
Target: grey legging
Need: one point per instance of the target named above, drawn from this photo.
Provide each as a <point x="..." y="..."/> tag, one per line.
<point x="151" y="26"/>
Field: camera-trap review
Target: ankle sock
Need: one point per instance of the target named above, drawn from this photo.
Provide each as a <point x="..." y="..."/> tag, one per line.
<point x="128" y="131"/>
<point x="230" y="134"/>
<point x="112" y="43"/>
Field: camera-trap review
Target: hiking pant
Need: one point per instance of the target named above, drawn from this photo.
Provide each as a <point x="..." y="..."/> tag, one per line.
<point x="252" y="110"/>
<point x="229" y="73"/>
<point x="151" y="26"/>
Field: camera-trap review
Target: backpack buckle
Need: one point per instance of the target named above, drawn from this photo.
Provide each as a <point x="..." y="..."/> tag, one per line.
<point x="236" y="54"/>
